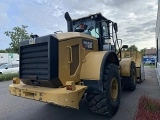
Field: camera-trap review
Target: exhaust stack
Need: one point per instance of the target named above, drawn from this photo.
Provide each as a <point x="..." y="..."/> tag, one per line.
<point x="69" y="22"/>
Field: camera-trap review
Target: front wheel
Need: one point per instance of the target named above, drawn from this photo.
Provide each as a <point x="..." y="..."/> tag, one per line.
<point x="108" y="102"/>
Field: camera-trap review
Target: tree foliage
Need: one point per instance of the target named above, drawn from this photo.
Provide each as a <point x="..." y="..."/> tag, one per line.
<point x="3" y="51"/>
<point x="143" y="51"/>
<point x="9" y="50"/>
<point x="132" y="48"/>
<point x="16" y="35"/>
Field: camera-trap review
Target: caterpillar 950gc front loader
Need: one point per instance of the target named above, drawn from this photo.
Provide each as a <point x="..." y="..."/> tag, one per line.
<point x="61" y="67"/>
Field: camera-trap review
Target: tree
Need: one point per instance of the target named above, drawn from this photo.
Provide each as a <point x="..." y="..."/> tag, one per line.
<point x="132" y="48"/>
<point x="143" y="51"/>
<point x="9" y="50"/>
<point x="3" y="51"/>
<point x="18" y="34"/>
<point x="153" y="48"/>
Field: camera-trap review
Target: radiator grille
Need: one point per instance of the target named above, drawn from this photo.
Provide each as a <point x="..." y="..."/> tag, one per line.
<point x="34" y="61"/>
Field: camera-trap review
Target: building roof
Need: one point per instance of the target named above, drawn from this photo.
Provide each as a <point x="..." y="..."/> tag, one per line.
<point x="150" y="51"/>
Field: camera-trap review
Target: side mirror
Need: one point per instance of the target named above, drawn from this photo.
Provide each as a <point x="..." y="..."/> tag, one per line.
<point x="125" y="46"/>
<point x="81" y="28"/>
<point x="90" y="28"/>
<point x="115" y="26"/>
<point x="6" y="68"/>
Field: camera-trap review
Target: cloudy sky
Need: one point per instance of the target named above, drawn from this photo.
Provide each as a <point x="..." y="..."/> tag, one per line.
<point x="136" y="18"/>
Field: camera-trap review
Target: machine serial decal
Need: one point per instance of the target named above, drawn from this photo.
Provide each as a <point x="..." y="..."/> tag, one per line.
<point x="87" y="44"/>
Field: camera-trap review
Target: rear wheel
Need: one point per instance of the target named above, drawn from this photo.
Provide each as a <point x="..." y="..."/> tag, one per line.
<point x="129" y="83"/>
<point x="108" y="102"/>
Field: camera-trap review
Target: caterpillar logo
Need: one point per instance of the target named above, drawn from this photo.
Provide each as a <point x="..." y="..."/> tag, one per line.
<point x="32" y="41"/>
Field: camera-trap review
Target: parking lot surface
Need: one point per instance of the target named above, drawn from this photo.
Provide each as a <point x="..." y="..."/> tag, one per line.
<point x="15" y="108"/>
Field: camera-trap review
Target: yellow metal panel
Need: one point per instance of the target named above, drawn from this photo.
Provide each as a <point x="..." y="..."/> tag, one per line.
<point x="134" y="56"/>
<point x="16" y="80"/>
<point x="138" y="72"/>
<point x="138" y="59"/>
<point x="65" y="58"/>
<point x="70" y="35"/>
<point x="138" y="63"/>
<point x="90" y="69"/>
<point x="125" y="66"/>
<point x="58" y="96"/>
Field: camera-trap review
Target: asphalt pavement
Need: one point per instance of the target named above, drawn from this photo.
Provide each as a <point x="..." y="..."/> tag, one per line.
<point x="15" y="108"/>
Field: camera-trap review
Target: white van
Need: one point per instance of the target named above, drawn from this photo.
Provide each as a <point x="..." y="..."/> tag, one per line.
<point x="9" y="68"/>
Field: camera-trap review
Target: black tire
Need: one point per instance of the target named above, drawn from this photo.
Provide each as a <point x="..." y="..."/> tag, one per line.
<point x="103" y="103"/>
<point x="129" y="83"/>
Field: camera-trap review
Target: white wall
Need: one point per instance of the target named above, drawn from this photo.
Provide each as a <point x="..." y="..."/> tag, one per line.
<point x="3" y="58"/>
<point x="158" y="20"/>
<point x="8" y="57"/>
<point x="158" y="37"/>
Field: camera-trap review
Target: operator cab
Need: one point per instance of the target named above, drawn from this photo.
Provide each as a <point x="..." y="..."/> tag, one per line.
<point x="97" y="26"/>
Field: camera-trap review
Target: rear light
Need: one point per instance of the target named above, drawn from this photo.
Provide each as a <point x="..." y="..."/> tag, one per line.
<point x="16" y="80"/>
<point x="70" y="85"/>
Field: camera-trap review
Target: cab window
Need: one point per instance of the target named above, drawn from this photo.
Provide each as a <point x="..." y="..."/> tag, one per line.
<point x="105" y="31"/>
<point x="90" y="27"/>
<point x="95" y="32"/>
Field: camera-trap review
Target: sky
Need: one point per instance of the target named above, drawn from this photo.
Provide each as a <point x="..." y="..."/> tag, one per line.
<point x="136" y="19"/>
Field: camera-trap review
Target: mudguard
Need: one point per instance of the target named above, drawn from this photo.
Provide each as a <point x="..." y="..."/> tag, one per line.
<point x="93" y="68"/>
<point x="125" y="64"/>
<point x="94" y="63"/>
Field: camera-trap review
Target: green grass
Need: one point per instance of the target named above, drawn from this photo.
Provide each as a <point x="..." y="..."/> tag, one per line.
<point x="151" y="65"/>
<point x="6" y="77"/>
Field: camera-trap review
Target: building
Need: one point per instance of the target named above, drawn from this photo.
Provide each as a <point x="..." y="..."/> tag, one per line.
<point x="151" y="52"/>
<point x="158" y="37"/>
<point x="8" y="57"/>
<point x="150" y="56"/>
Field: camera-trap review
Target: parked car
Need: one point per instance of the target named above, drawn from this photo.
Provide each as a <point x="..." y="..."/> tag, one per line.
<point x="9" y="68"/>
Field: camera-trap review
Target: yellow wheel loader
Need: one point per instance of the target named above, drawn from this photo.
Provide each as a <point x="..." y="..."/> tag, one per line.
<point x="60" y="68"/>
<point x="137" y="58"/>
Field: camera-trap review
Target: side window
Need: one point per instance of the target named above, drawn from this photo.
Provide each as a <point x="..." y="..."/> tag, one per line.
<point x="105" y="28"/>
<point x="90" y="27"/>
<point x="95" y="32"/>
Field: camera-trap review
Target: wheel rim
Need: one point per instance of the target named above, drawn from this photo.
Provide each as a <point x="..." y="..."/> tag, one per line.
<point x="114" y="89"/>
